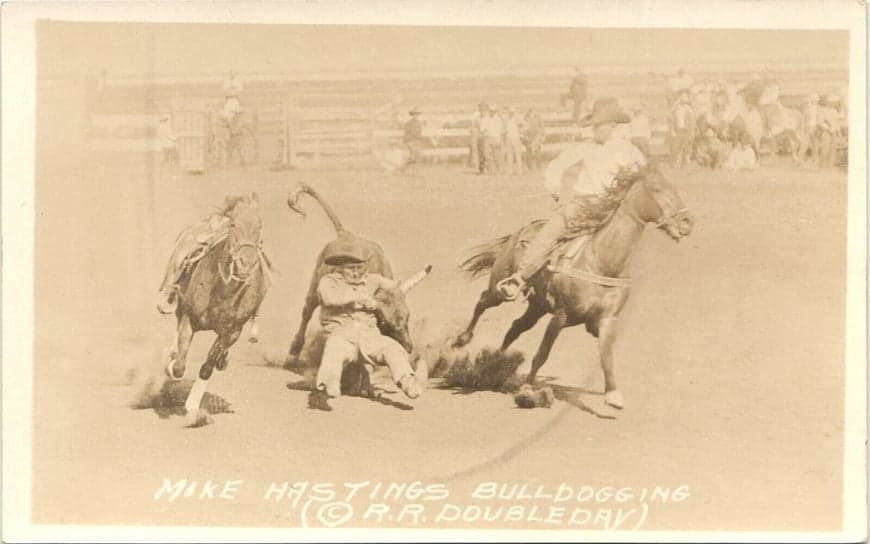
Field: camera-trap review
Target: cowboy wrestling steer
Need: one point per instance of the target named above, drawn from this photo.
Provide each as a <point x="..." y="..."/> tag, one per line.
<point x="344" y="261"/>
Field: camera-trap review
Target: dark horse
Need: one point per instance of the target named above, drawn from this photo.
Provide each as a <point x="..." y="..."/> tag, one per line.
<point x="221" y="292"/>
<point x="593" y="288"/>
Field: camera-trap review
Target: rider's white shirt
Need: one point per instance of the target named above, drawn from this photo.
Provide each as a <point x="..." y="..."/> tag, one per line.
<point x="600" y="165"/>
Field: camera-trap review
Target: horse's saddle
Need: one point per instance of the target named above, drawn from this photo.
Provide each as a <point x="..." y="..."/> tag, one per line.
<point x="565" y="251"/>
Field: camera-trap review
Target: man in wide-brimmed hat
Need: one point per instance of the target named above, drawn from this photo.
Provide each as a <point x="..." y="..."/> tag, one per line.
<point x="475" y="144"/>
<point x="576" y="93"/>
<point x="348" y="317"/>
<point x="602" y="160"/>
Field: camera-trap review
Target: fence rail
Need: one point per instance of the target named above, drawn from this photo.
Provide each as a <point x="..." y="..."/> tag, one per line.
<point x="329" y="115"/>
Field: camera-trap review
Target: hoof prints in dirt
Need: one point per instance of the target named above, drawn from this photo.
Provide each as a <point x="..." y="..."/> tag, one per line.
<point x="169" y="400"/>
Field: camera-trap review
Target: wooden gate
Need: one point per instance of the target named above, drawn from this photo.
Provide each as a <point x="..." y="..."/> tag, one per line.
<point x="191" y="128"/>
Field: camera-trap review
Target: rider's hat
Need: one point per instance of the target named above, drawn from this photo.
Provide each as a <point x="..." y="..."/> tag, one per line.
<point x="345" y="251"/>
<point x="605" y="110"/>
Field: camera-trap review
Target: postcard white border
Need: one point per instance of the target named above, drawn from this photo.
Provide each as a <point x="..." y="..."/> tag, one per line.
<point x="18" y="116"/>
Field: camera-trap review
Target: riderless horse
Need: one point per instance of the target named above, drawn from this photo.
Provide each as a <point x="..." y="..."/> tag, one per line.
<point x="591" y="288"/>
<point x="221" y="292"/>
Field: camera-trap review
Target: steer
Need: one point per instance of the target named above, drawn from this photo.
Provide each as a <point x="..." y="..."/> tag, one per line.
<point x="392" y="310"/>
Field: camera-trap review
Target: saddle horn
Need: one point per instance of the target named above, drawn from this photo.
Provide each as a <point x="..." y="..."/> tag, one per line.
<point x="409" y="283"/>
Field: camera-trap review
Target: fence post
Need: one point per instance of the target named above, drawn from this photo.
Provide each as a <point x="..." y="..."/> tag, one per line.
<point x="288" y="150"/>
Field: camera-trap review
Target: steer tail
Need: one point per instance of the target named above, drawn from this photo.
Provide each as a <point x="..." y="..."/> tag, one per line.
<point x="304" y="188"/>
<point x="484" y="256"/>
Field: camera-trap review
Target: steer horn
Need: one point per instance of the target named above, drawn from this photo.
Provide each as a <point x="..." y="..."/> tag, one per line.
<point x="415" y="279"/>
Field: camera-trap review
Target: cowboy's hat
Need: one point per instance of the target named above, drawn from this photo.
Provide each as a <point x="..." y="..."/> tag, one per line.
<point x="345" y="251"/>
<point x="605" y="110"/>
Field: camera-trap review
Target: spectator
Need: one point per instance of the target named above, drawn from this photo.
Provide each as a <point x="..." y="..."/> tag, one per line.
<point x="677" y="85"/>
<point x="576" y="94"/>
<point x="742" y="157"/>
<point x="828" y="127"/>
<point x="503" y="116"/>
<point x="513" y="143"/>
<point x="810" y="124"/>
<point x="641" y="134"/>
<point x="710" y="151"/>
<point x="168" y="140"/>
<point x="491" y="129"/>
<point x="681" y="126"/>
<point x="476" y="143"/>
<point x="533" y="137"/>
<point x="413" y="139"/>
<point x="232" y="87"/>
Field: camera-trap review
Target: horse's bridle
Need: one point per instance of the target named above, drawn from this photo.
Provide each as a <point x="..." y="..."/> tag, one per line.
<point x="666" y="220"/>
<point x="229" y="278"/>
<point x="672" y="220"/>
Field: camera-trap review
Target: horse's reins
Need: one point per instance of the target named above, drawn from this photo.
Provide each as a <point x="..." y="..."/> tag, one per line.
<point x="227" y="279"/>
<point x="608" y="281"/>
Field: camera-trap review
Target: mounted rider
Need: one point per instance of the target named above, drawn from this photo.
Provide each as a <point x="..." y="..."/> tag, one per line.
<point x="585" y="198"/>
<point x="232" y="87"/>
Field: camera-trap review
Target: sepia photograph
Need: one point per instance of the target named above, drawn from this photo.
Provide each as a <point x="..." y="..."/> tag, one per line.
<point x="414" y="271"/>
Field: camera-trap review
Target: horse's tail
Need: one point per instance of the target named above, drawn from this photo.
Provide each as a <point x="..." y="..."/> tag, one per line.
<point x="304" y="188"/>
<point x="484" y="256"/>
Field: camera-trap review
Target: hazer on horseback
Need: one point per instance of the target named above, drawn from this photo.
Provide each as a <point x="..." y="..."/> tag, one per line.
<point x="602" y="160"/>
<point x="216" y="280"/>
<point x="586" y="280"/>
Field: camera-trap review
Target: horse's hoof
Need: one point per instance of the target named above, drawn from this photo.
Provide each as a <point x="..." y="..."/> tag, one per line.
<point x="614" y="399"/>
<point x="197" y="418"/>
<point x="171" y="372"/>
<point x="462" y="340"/>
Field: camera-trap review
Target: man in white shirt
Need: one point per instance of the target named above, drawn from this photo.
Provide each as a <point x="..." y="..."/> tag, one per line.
<point x="603" y="159"/>
<point x="492" y="129"/>
<point x="513" y="142"/>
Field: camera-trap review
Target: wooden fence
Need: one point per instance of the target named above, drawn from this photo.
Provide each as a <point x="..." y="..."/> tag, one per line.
<point x="327" y="118"/>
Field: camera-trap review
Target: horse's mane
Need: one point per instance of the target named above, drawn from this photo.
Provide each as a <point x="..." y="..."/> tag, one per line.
<point x="230" y="204"/>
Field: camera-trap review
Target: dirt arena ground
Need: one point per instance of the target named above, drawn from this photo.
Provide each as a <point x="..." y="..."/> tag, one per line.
<point x="730" y="354"/>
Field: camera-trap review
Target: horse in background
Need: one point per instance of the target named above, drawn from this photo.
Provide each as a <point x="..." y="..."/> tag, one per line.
<point x="221" y="292"/>
<point x="591" y="288"/>
<point x="232" y="139"/>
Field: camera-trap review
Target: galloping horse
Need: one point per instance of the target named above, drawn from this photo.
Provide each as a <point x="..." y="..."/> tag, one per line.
<point x="592" y="288"/>
<point x="221" y="292"/>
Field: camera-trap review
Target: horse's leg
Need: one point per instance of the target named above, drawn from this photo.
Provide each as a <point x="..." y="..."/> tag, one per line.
<point x="177" y="361"/>
<point x="554" y="327"/>
<point x="488" y="299"/>
<point x="217" y="358"/>
<point x="606" y="336"/>
<point x="254" y="331"/>
<point x="311" y="302"/>
<point x="534" y="312"/>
